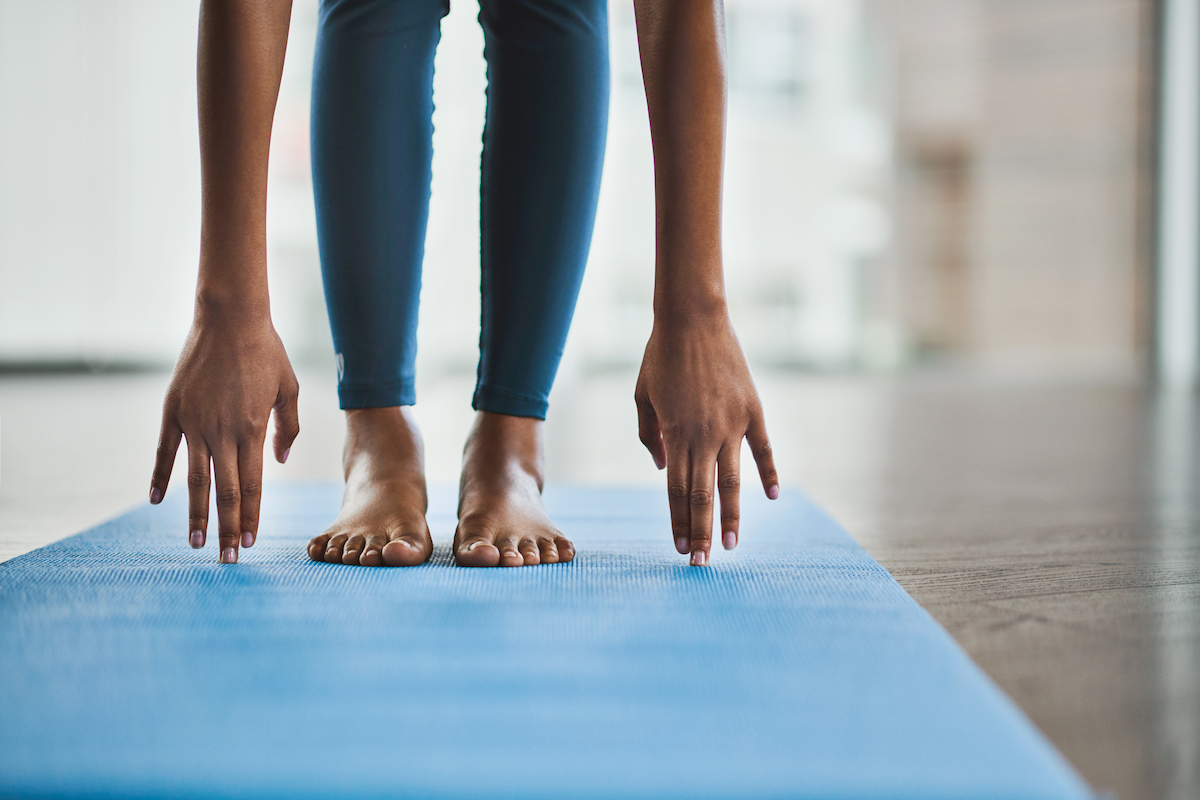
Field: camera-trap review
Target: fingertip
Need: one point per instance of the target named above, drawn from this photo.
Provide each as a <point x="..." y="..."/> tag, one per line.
<point x="729" y="540"/>
<point x="681" y="545"/>
<point x="284" y="456"/>
<point x="229" y="555"/>
<point x="773" y="491"/>
<point x="247" y="538"/>
<point x="699" y="558"/>
<point x="156" y="495"/>
<point x="196" y="539"/>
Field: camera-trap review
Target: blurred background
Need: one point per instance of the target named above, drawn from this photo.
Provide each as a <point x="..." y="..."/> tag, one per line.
<point x="960" y="243"/>
<point x="913" y="187"/>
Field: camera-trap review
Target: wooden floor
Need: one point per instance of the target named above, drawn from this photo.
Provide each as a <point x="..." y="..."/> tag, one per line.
<point x="1055" y="533"/>
<point x="1053" y="529"/>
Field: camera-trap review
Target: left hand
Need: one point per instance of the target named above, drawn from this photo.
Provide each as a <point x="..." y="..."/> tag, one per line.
<point x="696" y="401"/>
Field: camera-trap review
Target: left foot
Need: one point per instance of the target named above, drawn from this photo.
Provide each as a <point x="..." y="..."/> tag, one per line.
<point x="501" y="520"/>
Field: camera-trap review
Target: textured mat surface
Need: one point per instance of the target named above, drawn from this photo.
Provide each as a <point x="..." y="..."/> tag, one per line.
<point x="132" y="665"/>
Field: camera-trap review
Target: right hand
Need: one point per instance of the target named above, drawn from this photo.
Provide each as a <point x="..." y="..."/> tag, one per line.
<point x="230" y="375"/>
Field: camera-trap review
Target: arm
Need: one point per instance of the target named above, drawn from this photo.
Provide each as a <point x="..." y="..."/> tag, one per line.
<point x="696" y="400"/>
<point x="233" y="369"/>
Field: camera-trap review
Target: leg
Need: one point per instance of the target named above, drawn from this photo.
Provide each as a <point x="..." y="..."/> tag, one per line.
<point x="547" y="116"/>
<point x="371" y="149"/>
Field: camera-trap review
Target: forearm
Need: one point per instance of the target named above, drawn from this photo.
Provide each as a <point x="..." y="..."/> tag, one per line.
<point x="682" y="44"/>
<point x="239" y="65"/>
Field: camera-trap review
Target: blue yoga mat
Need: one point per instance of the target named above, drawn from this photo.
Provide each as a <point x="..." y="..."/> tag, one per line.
<point x="133" y="666"/>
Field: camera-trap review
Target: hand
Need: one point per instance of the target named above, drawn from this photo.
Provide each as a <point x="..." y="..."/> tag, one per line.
<point x="229" y="377"/>
<point x="696" y="401"/>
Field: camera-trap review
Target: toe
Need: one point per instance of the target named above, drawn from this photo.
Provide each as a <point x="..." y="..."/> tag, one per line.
<point x="510" y="556"/>
<point x="354" y="546"/>
<point x="405" y="550"/>
<point x="372" y="552"/>
<point x="529" y="552"/>
<point x="566" y="550"/>
<point x="316" y="547"/>
<point x="333" y="550"/>
<point x="476" y="551"/>
<point x="549" y="552"/>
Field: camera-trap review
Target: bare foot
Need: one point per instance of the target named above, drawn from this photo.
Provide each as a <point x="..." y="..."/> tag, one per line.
<point x="501" y="521"/>
<point x="382" y="521"/>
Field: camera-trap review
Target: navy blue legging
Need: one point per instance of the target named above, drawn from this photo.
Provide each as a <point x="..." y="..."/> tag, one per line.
<point x="543" y="150"/>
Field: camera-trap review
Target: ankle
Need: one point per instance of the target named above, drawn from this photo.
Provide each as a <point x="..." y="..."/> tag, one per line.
<point x="501" y="441"/>
<point x="388" y="433"/>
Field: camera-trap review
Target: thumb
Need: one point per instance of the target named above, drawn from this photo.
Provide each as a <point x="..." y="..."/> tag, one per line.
<point x="650" y="432"/>
<point x="287" y="420"/>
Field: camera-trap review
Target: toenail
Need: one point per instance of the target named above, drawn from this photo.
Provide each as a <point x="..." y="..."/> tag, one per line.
<point x="228" y="556"/>
<point x="197" y="539"/>
<point x="699" y="558"/>
<point x="471" y="546"/>
<point x="729" y="539"/>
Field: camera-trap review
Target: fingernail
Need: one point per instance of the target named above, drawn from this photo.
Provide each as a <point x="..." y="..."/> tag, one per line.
<point x="681" y="545"/>
<point x="196" y="539"/>
<point x="658" y="462"/>
<point x="773" y="493"/>
<point x="247" y="539"/>
<point x="729" y="539"/>
<point x="229" y="556"/>
<point x="155" y="496"/>
<point x="699" y="558"/>
<point x="285" y="455"/>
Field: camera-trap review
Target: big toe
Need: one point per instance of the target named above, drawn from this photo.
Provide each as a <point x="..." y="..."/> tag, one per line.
<point x="477" y="553"/>
<point x="403" y="553"/>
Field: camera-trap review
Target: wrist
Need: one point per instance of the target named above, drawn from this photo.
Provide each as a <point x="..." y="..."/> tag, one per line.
<point x="689" y="308"/>
<point x="214" y="307"/>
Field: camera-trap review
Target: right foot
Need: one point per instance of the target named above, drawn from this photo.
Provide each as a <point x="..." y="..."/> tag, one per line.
<point x="382" y="521"/>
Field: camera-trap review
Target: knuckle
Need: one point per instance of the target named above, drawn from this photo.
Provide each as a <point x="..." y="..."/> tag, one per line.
<point x="228" y="495"/>
<point x="251" y="490"/>
<point x="730" y="517"/>
<point x="762" y="449"/>
<point x="677" y="491"/>
<point x="730" y="483"/>
<point x="701" y="498"/>
<point x="197" y="480"/>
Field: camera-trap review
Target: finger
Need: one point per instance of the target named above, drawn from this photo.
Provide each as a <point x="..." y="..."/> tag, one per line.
<point x="760" y="448"/>
<point x="229" y="505"/>
<point x="250" y="458"/>
<point x="700" y="498"/>
<point x="287" y="420"/>
<point x="650" y="432"/>
<point x="164" y="460"/>
<point x="729" y="484"/>
<point x="678" y="492"/>
<point x="198" y="484"/>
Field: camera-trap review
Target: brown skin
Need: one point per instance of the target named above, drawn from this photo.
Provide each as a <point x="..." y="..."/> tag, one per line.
<point x="696" y="399"/>
<point x="233" y="370"/>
